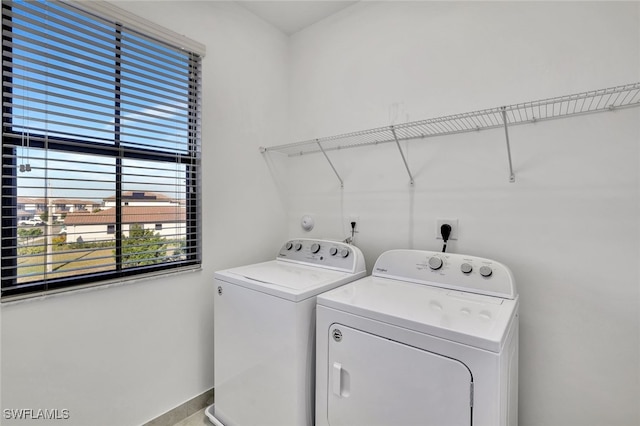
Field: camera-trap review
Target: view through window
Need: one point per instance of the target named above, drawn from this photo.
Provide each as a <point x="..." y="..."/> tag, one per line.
<point x="100" y="149"/>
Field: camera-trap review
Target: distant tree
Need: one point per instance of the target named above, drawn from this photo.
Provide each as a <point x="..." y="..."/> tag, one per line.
<point x="143" y="247"/>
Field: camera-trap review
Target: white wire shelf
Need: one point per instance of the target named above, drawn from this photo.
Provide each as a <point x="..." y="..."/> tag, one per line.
<point x="528" y="112"/>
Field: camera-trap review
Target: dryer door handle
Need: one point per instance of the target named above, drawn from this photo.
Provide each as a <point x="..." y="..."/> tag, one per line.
<point x="337" y="378"/>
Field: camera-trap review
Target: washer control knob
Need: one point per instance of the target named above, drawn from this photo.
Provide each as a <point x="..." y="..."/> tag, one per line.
<point x="466" y="268"/>
<point x="298" y="246"/>
<point x="435" y="263"/>
<point x="315" y="247"/>
<point x="486" y="271"/>
<point x="333" y="251"/>
<point x="344" y="252"/>
<point x="289" y="245"/>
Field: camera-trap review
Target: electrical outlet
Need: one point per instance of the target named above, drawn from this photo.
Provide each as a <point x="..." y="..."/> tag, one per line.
<point x="454" y="228"/>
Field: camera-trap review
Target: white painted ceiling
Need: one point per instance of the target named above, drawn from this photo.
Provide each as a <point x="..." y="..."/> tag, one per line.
<point x="293" y="15"/>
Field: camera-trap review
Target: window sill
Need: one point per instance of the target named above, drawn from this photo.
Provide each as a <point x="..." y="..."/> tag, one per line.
<point x="42" y="295"/>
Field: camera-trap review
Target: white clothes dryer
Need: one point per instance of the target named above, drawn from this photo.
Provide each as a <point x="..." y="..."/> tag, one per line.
<point x="430" y="339"/>
<point x="265" y="332"/>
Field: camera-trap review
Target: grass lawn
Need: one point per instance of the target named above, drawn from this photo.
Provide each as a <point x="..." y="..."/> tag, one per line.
<point x="66" y="263"/>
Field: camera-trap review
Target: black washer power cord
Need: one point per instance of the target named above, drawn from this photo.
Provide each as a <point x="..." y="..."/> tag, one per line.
<point x="445" y="231"/>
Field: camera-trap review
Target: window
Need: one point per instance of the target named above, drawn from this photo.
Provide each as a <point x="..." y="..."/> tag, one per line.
<point x="100" y="112"/>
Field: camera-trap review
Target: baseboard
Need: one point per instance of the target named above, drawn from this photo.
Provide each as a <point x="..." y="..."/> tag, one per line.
<point x="183" y="411"/>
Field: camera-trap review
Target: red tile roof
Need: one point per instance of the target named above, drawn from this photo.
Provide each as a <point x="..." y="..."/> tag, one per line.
<point x="130" y="214"/>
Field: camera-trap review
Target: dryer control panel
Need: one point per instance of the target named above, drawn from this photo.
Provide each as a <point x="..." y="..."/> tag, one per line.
<point x="447" y="270"/>
<point x="323" y="253"/>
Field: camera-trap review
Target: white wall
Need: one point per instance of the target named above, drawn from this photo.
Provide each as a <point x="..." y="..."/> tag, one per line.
<point x="568" y="226"/>
<point x="123" y="355"/>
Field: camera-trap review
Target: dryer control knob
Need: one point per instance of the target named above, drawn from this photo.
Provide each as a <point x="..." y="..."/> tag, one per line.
<point x="289" y="245"/>
<point x="333" y="251"/>
<point x="486" y="271"/>
<point x="344" y="253"/>
<point x="298" y="246"/>
<point x="435" y="263"/>
<point x="315" y="247"/>
<point x="466" y="268"/>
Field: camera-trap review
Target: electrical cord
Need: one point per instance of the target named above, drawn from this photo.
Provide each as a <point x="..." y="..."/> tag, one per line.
<point x="445" y="231"/>
<point x="351" y="239"/>
<point x="353" y="233"/>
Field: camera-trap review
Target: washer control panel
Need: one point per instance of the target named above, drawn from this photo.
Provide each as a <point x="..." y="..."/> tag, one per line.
<point x="447" y="270"/>
<point x="323" y="253"/>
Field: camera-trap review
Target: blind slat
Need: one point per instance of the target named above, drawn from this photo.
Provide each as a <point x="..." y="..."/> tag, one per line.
<point x="122" y="113"/>
<point x="93" y="71"/>
<point x="62" y="50"/>
<point x="86" y="31"/>
<point x="72" y="76"/>
<point x="145" y="28"/>
<point x="180" y="111"/>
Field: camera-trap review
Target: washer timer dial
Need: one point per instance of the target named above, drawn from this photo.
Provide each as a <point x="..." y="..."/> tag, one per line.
<point x="435" y="263"/>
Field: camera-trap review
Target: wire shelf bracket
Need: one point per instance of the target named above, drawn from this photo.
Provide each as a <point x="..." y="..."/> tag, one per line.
<point x="593" y="101"/>
<point x="512" y="177"/>
<point x="404" y="160"/>
<point x="330" y="163"/>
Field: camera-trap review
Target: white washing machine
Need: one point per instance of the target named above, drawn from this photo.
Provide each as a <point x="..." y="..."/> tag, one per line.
<point x="265" y="332"/>
<point x="428" y="339"/>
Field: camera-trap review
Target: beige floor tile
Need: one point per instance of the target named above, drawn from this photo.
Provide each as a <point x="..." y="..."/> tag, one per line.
<point x="198" y="418"/>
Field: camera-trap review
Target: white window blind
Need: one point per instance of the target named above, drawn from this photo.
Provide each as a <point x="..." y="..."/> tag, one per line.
<point x="101" y="144"/>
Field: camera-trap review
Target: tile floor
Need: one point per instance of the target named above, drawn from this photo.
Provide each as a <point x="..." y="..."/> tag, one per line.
<point x="196" y="419"/>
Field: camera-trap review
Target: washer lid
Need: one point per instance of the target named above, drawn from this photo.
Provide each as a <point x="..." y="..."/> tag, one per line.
<point x="287" y="280"/>
<point x="471" y="319"/>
